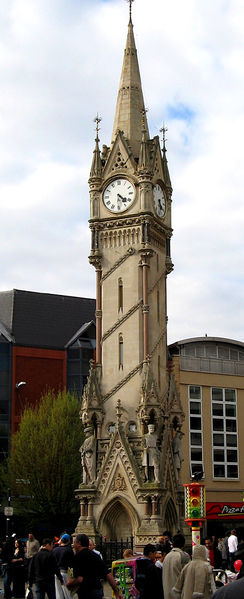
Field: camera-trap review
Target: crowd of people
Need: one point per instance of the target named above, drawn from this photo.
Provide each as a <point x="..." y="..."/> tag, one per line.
<point x="62" y="568"/>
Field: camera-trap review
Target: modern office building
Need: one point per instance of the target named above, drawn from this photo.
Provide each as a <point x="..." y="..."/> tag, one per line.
<point x="209" y="375"/>
<point x="46" y="342"/>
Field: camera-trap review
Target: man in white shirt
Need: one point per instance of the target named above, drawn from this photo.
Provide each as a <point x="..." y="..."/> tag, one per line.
<point x="232" y="546"/>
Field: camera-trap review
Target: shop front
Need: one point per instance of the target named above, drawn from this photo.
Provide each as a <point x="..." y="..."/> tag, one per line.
<point x="224" y="516"/>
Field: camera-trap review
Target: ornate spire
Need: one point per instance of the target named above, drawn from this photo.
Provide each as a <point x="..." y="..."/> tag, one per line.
<point x="165" y="161"/>
<point x="130" y="102"/>
<point x="96" y="167"/>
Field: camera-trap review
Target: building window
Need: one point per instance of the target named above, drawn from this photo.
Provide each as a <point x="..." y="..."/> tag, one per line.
<point x="224" y="433"/>
<point x="121" y="352"/>
<point x="120" y="295"/>
<point x="195" y="428"/>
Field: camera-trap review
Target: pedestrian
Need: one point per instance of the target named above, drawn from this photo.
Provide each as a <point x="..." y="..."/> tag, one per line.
<point x="92" y="548"/>
<point x="234" y="590"/>
<point x="43" y="567"/>
<point x="127" y="553"/>
<point x="7" y="556"/>
<point x="161" y="554"/>
<point x="215" y="556"/>
<point x="32" y="546"/>
<point x="89" y="569"/>
<point x="196" y="578"/>
<point x="232" y="546"/>
<point x="148" y="577"/>
<point x="174" y="561"/>
<point x="18" y="569"/>
<point x="64" y="556"/>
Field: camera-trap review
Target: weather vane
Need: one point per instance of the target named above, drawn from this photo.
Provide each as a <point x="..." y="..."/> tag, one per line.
<point x="130" y="3"/>
<point x="97" y="120"/>
<point x="164" y="131"/>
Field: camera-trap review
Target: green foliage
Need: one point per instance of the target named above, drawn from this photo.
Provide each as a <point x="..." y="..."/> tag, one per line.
<point x="45" y="458"/>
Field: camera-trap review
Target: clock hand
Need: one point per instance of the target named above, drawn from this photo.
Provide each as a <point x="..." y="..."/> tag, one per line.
<point x="121" y="197"/>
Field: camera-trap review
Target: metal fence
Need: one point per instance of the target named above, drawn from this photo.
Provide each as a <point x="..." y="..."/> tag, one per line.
<point x="113" y="549"/>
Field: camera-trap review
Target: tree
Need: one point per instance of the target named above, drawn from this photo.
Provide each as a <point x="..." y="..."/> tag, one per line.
<point x="45" y="460"/>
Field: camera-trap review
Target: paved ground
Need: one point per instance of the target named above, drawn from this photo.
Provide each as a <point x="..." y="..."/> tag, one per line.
<point x="107" y="589"/>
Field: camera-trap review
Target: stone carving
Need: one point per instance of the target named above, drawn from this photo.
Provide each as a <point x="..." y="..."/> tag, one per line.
<point x="88" y="456"/>
<point x="177" y="453"/>
<point x="151" y="455"/>
<point x="118" y="483"/>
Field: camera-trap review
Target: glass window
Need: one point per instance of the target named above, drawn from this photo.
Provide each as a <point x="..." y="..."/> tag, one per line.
<point x="195" y="428"/>
<point x="196" y="454"/>
<point x="196" y="438"/>
<point x="194" y="392"/>
<point x="231" y="440"/>
<point x="196" y="423"/>
<point x="230" y="426"/>
<point x="195" y="407"/>
<point x="219" y="455"/>
<point x="230" y="410"/>
<point x="231" y="455"/>
<point x="217" y="394"/>
<point x="225" y="453"/>
<point x="218" y="439"/>
<point x="218" y="424"/>
<point x="230" y="395"/>
<point x="219" y="471"/>
<point x="218" y="409"/>
<point x="232" y="471"/>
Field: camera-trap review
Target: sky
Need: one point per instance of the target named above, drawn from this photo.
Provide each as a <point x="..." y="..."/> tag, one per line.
<point x="60" y="64"/>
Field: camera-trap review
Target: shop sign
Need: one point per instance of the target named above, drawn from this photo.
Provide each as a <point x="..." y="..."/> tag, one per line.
<point x="218" y="511"/>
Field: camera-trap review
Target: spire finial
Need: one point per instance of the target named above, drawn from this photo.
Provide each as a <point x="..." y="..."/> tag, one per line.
<point x="97" y="120"/>
<point x="164" y="131"/>
<point x="130" y="10"/>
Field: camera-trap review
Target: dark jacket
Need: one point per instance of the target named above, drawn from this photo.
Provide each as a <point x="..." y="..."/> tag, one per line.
<point x="148" y="579"/>
<point x="64" y="556"/>
<point x="234" y="590"/>
<point x="43" y="566"/>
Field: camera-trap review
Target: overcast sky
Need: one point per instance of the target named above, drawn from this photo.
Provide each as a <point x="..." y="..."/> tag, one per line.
<point x="60" y="64"/>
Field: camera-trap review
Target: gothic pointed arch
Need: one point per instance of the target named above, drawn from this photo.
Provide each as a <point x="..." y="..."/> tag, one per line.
<point x="118" y="519"/>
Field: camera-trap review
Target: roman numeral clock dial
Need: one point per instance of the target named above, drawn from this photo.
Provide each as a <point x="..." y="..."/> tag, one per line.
<point x="118" y="195"/>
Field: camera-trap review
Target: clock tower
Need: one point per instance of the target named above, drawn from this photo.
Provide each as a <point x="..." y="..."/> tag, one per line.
<point x="130" y="409"/>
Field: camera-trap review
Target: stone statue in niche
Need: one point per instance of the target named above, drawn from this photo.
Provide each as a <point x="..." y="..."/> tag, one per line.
<point x="88" y="456"/>
<point x="151" y="455"/>
<point x="177" y="453"/>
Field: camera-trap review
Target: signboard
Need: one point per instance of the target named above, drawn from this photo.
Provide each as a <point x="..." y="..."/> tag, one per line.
<point x="220" y="511"/>
<point x="8" y="511"/>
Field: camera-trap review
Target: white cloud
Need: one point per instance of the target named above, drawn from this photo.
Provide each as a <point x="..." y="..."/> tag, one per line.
<point x="60" y="64"/>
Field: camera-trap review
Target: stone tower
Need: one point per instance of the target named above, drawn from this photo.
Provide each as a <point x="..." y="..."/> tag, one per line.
<point x="130" y="409"/>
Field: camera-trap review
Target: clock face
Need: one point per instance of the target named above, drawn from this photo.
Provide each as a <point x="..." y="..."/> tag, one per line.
<point x="119" y="195"/>
<point x="159" y="200"/>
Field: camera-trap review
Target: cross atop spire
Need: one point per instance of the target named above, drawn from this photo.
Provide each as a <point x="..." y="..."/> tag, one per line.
<point x="130" y="10"/>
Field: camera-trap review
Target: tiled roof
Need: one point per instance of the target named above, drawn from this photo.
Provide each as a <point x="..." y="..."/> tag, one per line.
<point x="43" y="319"/>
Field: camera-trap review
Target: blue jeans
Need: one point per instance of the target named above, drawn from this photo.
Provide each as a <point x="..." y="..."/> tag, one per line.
<point x="45" y="587"/>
